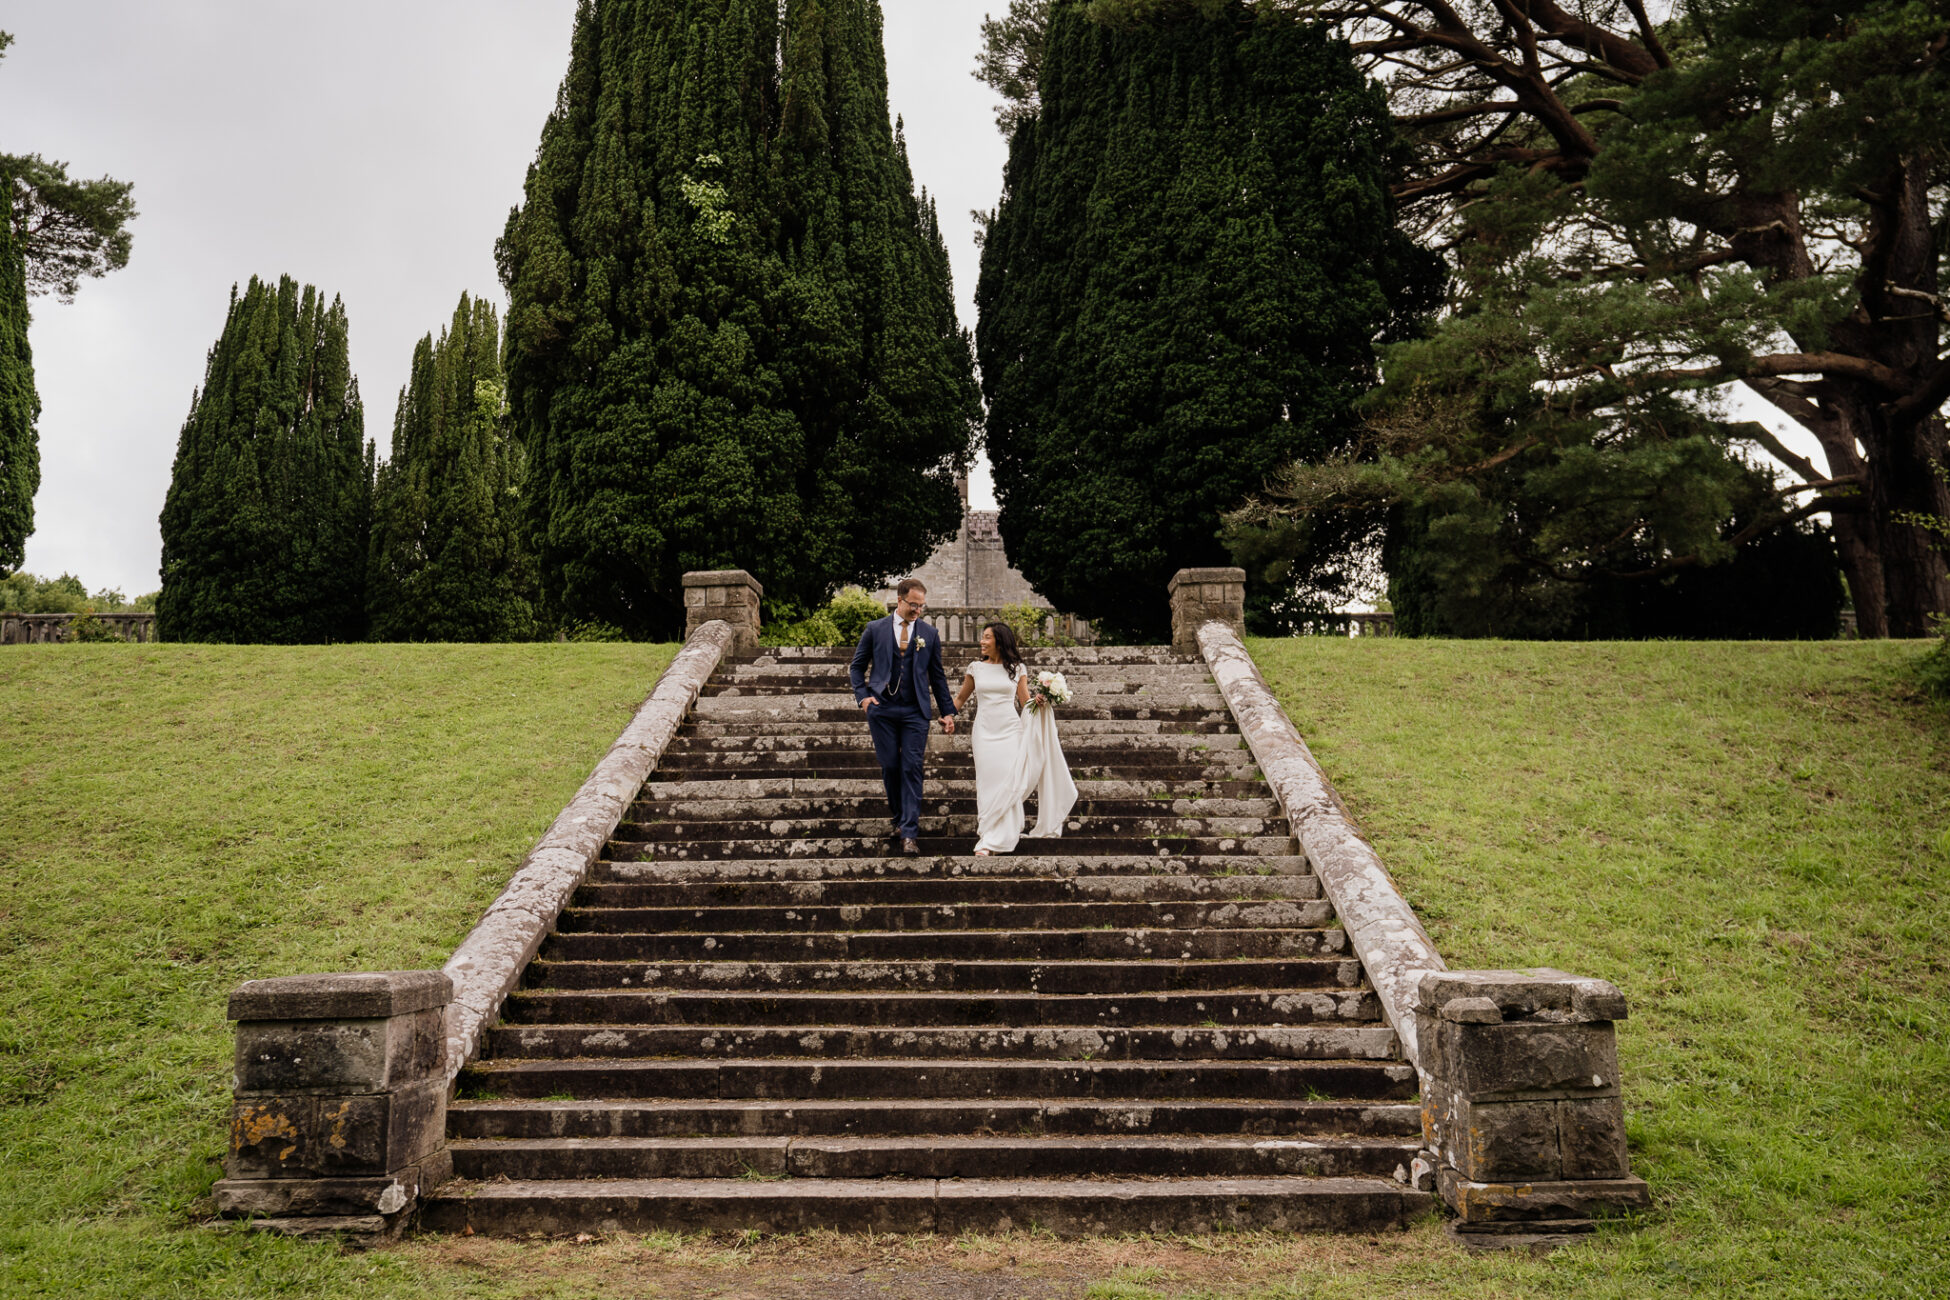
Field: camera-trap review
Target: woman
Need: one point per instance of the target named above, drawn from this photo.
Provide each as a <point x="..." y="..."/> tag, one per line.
<point x="1013" y="754"/>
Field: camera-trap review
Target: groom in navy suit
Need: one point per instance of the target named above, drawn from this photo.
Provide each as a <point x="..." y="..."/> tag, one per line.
<point x="896" y="666"/>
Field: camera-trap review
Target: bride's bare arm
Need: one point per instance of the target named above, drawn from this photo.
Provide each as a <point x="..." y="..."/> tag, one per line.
<point x="966" y="689"/>
<point x="1022" y="690"/>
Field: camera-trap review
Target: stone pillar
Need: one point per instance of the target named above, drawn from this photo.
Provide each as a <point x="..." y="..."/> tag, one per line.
<point x="728" y="594"/>
<point x="339" y="1121"/>
<point x="1200" y="595"/>
<point x="1521" y="1109"/>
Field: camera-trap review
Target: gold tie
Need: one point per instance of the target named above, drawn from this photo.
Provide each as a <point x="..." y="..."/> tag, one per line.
<point x="903" y="636"/>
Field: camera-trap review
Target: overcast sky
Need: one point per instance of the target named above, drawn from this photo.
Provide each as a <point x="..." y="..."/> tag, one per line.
<point x="370" y="147"/>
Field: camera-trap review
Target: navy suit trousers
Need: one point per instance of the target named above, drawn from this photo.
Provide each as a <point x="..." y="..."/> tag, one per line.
<point x="900" y="743"/>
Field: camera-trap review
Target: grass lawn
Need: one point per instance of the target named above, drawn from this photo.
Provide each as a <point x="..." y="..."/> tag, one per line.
<point x="1752" y="840"/>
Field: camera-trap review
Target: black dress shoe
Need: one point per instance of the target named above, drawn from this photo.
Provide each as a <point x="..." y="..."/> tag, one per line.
<point x="910" y="846"/>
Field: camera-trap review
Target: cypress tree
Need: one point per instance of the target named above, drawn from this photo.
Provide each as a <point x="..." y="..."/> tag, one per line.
<point x="731" y="337"/>
<point x="1180" y="290"/>
<point x="447" y="563"/>
<point x="20" y="405"/>
<point x="268" y="517"/>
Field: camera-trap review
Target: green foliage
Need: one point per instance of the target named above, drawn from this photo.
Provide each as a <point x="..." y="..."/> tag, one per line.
<point x="1932" y="669"/>
<point x="267" y="522"/>
<point x="731" y="333"/>
<point x="20" y="404"/>
<point x="1027" y="622"/>
<point x="23" y="593"/>
<point x="87" y="627"/>
<point x="839" y="622"/>
<point x="851" y="611"/>
<point x="447" y="560"/>
<point x="1180" y="291"/>
<point x="68" y="229"/>
<point x="63" y="229"/>
<point x="1011" y="60"/>
<point x="1749" y="193"/>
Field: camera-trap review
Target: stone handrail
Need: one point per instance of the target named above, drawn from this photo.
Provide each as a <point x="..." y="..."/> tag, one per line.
<point x="52" y="629"/>
<point x="1394" y="948"/>
<point x="489" y="962"/>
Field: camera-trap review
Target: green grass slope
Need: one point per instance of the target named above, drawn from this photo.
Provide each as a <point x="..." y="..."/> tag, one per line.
<point x="177" y="819"/>
<point x="1752" y="840"/>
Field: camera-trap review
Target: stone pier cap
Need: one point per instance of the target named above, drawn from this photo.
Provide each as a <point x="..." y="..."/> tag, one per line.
<point x="1539" y="994"/>
<point x="370" y="995"/>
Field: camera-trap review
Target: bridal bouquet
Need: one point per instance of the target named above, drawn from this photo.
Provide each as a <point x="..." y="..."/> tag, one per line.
<point x="1048" y="688"/>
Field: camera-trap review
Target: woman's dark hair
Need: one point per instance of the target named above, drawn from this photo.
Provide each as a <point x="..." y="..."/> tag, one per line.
<point x="1005" y="645"/>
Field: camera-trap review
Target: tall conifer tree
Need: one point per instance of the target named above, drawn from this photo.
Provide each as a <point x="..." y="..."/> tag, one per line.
<point x="1180" y="290"/>
<point x="731" y="337"/>
<point x="20" y="405"/>
<point x="266" y="525"/>
<point x="447" y="563"/>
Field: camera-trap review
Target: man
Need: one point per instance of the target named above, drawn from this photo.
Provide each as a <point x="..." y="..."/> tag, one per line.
<point x="896" y="667"/>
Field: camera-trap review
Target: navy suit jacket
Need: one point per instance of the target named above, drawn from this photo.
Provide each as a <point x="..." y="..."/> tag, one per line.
<point x="874" y="659"/>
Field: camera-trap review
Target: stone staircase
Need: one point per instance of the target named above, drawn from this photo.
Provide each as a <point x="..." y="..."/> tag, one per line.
<point x="755" y="1015"/>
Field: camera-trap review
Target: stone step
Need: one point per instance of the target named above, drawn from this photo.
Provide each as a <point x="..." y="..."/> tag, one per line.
<point x="858" y="740"/>
<point x="1072" y="727"/>
<point x="799" y="673"/>
<point x="1145" y="826"/>
<point x="876" y="845"/>
<point x="1199" y="914"/>
<point x="888" y="1117"/>
<point x="927" y="1010"/>
<point x="834" y="690"/>
<point x="1025" y="946"/>
<point x="1228" y="766"/>
<point x="951" y="1207"/>
<point x="939" y="891"/>
<point x="959" y="1081"/>
<point x="1060" y="657"/>
<point x="1129" y="978"/>
<point x="1172" y="794"/>
<point x="924" y="866"/>
<point x="843" y="708"/>
<point x="939" y="802"/>
<point x="1330" y="1042"/>
<point x="929" y="1157"/>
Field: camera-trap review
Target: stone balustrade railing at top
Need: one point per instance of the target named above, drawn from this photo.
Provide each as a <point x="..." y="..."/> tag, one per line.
<point x="960" y="625"/>
<point x="52" y="629"/>
<point x="1523" y="1120"/>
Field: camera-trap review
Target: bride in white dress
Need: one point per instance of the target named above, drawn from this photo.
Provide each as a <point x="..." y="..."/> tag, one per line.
<point x="1015" y="753"/>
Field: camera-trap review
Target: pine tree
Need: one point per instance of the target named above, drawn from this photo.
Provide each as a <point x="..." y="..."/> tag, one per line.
<point x="731" y="337"/>
<point x="20" y="405"/>
<point x="1180" y="290"/>
<point x="447" y="564"/>
<point x="266" y="525"/>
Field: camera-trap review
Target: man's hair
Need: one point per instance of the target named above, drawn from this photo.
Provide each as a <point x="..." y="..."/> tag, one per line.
<point x="909" y="584"/>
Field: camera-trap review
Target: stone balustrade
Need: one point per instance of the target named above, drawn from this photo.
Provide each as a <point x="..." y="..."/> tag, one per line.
<point x="52" y="629"/>
<point x="960" y="625"/>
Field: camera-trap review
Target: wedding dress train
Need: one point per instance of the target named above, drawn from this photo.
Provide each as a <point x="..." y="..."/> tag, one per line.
<point x="1015" y="754"/>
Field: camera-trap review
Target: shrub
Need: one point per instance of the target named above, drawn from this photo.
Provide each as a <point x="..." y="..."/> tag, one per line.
<point x="851" y="611"/>
<point x="86" y="627"/>
<point x="1933" y="669"/>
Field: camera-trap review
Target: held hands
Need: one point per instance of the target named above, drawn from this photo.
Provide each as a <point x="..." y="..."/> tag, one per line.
<point x="948" y="724"/>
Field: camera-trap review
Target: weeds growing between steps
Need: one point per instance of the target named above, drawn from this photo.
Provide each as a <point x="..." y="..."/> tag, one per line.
<point x="1752" y="840"/>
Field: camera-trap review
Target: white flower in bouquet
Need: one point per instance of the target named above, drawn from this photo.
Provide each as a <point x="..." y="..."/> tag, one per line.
<point x="1049" y="688"/>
